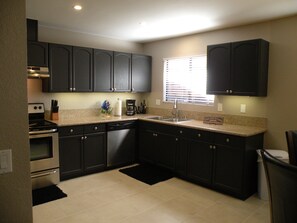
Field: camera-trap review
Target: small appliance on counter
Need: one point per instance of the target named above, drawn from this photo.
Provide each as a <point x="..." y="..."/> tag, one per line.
<point x="130" y="107"/>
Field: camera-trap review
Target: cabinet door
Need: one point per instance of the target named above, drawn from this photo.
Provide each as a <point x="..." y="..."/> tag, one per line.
<point x="165" y="150"/>
<point x="122" y="72"/>
<point x="200" y="159"/>
<point x="94" y="152"/>
<point x="60" y="67"/>
<point x="103" y="70"/>
<point x="37" y="54"/>
<point x="141" y="73"/>
<point x="245" y="67"/>
<point x="147" y="146"/>
<point x="218" y="68"/>
<point x="181" y="157"/>
<point x="228" y="168"/>
<point x="71" y="157"/>
<point x="82" y="69"/>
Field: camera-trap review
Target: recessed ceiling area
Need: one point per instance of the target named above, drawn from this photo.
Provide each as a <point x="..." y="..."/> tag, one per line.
<point x="149" y="20"/>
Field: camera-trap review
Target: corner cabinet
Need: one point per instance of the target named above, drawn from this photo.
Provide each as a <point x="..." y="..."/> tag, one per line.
<point x="238" y="68"/>
<point x="70" y="69"/>
<point x="82" y="150"/>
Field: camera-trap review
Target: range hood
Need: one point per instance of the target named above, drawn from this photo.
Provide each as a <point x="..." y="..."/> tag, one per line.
<point x="37" y="72"/>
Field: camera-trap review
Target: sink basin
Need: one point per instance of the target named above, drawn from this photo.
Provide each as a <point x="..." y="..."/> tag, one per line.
<point x="170" y="119"/>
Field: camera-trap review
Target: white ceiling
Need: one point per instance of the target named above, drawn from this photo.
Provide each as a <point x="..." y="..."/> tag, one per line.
<point x="121" y="19"/>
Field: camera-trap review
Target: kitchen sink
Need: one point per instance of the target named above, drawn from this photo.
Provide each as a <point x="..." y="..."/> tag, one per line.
<point x="170" y="119"/>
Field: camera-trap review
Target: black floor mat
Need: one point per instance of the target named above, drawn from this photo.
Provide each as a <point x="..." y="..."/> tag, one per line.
<point x="147" y="173"/>
<point x="46" y="194"/>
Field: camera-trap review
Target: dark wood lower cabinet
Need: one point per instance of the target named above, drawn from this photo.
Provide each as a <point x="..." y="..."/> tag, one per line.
<point x="226" y="163"/>
<point x="82" y="150"/>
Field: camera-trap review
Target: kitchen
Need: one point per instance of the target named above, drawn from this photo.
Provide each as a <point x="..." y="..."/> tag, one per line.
<point x="278" y="107"/>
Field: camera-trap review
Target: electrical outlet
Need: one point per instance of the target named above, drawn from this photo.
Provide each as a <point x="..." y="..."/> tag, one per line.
<point x="243" y="108"/>
<point x="158" y="102"/>
<point x="220" y="107"/>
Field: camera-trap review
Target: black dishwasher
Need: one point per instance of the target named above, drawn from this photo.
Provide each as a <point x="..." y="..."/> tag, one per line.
<point x="120" y="143"/>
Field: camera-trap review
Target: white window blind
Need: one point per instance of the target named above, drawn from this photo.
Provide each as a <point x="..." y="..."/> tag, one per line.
<point x="185" y="80"/>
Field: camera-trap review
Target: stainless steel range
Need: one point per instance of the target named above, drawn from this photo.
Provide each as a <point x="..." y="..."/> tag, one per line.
<point x="44" y="148"/>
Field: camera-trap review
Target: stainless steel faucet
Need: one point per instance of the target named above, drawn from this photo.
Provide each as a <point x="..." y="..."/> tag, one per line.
<point x="175" y="110"/>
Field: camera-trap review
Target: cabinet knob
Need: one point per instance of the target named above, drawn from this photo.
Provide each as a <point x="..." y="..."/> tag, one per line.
<point x="114" y="89"/>
<point x="85" y="137"/>
<point x="70" y="89"/>
<point x="74" y="89"/>
<point x="71" y="130"/>
<point x="230" y="91"/>
<point x="214" y="147"/>
<point x="227" y="140"/>
<point x="199" y="135"/>
<point x="95" y="128"/>
<point x="227" y="91"/>
<point x="176" y="139"/>
<point x="82" y="138"/>
<point x="133" y="89"/>
<point x="181" y="132"/>
<point x="210" y="146"/>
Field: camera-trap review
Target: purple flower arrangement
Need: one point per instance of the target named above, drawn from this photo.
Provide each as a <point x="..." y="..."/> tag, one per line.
<point x="105" y="107"/>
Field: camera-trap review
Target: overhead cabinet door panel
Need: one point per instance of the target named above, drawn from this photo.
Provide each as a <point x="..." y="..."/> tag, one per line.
<point x="218" y="68"/>
<point x="122" y="72"/>
<point x="103" y="70"/>
<point x="82" y="69"/>
<point x="60" y="66"/>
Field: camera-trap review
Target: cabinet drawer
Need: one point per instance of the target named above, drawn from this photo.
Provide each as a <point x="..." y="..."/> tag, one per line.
<point x="71" y="130"/>
<point x="229" y="140"/>
<point x="94" y="128"/>
<point x="195" y="134"/>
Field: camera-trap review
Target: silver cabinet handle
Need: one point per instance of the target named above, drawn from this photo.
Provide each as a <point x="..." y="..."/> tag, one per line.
<point x="114" y="89"/>
<point x="70" y="89"/>
<point x="71" y="130"/>
<point x="86" y="137"/>
<point x="176" y="139"/>
<point x="181" y="132"/>
<point x="230" y="91"/>
<point x="74" y="89"/>
<point x="227" y="91"/>
<point x="82" y="138"/>
<point x="95" y="128"/>
<point x="210" y="146"/>
<point x="214" y="147"/>
<point x="227" y="140"/>
<point x="199" y="135"/>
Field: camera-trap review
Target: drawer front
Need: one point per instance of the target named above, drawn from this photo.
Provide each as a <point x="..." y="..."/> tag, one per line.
<point x="229" y="140"/>
<point x="196" y="134"/>
<point x="71" y="130"/>
<point x="94" y="128"/>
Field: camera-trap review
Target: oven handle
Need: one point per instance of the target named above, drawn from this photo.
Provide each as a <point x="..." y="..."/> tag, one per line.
<point x="43" y="174"/>
<point x="42" y="131"/>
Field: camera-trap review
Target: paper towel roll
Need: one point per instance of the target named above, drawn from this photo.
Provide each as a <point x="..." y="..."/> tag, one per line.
<point x="118" y="108"/>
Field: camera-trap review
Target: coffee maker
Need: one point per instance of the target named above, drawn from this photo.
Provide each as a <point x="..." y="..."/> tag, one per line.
<point x="130" y="106"/>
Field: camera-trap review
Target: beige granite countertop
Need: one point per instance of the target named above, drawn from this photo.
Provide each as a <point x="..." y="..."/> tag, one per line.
<point x="239" y="130"/>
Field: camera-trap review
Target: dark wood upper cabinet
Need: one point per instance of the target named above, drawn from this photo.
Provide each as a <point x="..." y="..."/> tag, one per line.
<point x="71" y="69"/>
<point x="141" y="73"/>
<point x="122" y="72"/>
<point x="238" y="68"/>
<point x="37" y="54"/>
<point x="82" y="69"/>
<point x="60" y="67"/>
<point x="103" y="70"/>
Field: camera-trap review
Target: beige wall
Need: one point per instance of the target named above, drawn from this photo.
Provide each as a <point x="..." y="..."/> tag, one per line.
<point x="279" y="106"/>
<point x="80" y="100"/>
<point x="15" y="193"/>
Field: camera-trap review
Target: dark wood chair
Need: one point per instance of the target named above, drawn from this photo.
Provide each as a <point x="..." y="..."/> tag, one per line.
<point x="292" y="146"/>
<point x="282" y="187"/>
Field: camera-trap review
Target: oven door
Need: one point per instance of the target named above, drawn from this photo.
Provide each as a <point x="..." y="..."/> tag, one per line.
<point x="44" y="151"/>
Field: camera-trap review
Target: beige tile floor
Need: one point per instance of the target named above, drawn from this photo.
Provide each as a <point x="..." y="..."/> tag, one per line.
<point x="114" y="197"/>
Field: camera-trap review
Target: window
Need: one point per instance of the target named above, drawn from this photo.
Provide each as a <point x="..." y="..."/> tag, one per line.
<point x="185" y="80"/>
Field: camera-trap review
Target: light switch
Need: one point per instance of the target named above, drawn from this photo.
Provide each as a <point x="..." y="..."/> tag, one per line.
<point x="5" y="161"/>
<point x="243" y="108"/>
<point x="220" y="107"/>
